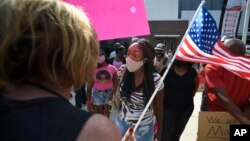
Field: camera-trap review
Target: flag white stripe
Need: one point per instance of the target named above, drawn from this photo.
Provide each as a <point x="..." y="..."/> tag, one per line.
<point x="235" y="70"/>
<point x="241" y="61"/>
<point x="232" y="60"/>
<point x="205" y="60"/>
<point x="217" y="47"/>
<point x="236" y="67"/>
<point x="238" y="63"/>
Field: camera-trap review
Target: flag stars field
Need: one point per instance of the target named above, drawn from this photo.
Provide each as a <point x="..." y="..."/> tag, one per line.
<point x="203" y="44"/>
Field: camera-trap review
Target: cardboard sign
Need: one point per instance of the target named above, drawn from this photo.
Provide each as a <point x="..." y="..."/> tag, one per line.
<point x="115" y="18"/>
<point x="214" y="126"/>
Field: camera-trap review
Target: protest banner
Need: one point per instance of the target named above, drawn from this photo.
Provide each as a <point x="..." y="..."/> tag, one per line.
<point x="214" y="126"/>
<point x="115" y="18"/>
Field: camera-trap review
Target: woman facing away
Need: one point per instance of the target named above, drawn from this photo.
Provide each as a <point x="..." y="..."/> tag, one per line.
<point x="137" y="86"/>
<point x="47" y="48"/>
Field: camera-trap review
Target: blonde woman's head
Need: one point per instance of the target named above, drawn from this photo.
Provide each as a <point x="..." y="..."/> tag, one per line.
<point x="48" y="40"/>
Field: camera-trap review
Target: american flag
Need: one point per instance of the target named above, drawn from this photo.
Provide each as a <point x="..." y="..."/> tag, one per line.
<point x="203" y="44"/>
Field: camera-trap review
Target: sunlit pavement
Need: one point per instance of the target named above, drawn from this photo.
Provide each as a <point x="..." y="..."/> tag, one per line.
<point x="190" y="132"/>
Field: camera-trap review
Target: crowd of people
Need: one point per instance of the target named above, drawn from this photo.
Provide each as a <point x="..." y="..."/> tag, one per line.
<point x="48" y="49"/>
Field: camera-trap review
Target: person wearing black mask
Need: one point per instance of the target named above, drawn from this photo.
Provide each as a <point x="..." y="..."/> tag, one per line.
<point x="160" y="61"/>
<point x="180" y="86"/>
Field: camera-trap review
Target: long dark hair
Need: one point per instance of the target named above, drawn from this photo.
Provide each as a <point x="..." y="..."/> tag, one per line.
<point x="148" y="83"/>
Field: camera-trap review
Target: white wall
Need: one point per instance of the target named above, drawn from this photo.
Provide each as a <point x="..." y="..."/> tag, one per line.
<point x="161" y="9"/>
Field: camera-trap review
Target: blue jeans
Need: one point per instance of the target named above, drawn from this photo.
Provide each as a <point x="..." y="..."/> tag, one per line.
<point x="143" y="133"/>
<point x="100" y="97"/>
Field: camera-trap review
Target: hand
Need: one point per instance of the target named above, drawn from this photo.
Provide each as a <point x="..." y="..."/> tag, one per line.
<point x="129" y="135"/>
<point x="90" y="107"/>
<point x="247" y="112"/>
<point x="107" y="110"/>
<point x="157" y="136"/>
<point x="111" y="96"/>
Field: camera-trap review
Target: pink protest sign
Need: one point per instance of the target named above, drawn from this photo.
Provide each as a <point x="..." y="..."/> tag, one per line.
<point x="115" y="18"/>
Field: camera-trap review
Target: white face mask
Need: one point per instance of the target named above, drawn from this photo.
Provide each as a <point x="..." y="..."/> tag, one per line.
<point x="101" y="59"/>
<point x="132" y="65"/>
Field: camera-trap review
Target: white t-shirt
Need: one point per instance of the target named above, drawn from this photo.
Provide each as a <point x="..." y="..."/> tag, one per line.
<point x="112" y="55"/>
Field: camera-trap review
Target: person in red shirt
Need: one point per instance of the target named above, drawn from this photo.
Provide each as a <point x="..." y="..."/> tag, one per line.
<point x="227" y="91"/>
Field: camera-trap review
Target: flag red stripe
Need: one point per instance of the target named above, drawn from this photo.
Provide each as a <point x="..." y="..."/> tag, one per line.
<point x="219" y="60"/>
<point x="244" y="62"/>
<point x="202" y="44"/>
<point x="222" y="59"/>
<point x="210" y="59"/>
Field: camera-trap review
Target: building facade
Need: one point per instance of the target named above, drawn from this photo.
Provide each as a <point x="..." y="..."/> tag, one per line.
<point x="169" y="19"/>
<point x="178" y="11"/>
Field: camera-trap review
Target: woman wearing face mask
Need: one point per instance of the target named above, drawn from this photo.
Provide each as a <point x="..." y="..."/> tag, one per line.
<point x="138" y="84"/>
<point x="103" y="86"/>
<point x="180" y="86"/>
